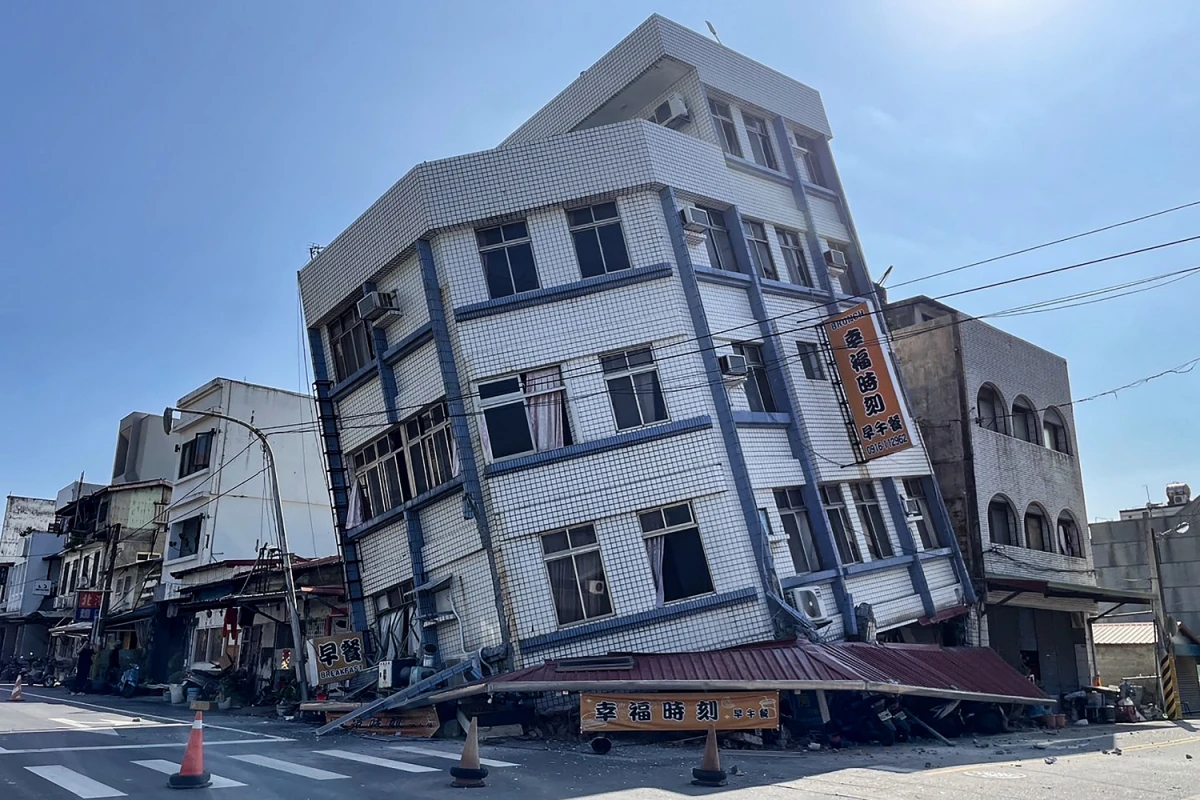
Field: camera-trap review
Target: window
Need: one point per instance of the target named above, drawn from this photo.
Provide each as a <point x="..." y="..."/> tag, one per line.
<point x="758" y="385"/>
<point x="839" y="523"/>
<point x="417" y="456"/>
<point x="576" y="574"/>
<point x="726" y="130"/>
<point x="187" y="536"/>
<point x="720" y="251"/>
<point x="350" y="338"/>
<point x="676" y="553"/>
<point x="525" y="413"/>
<point x="1070" y="543"/>
<point x="1054" y="431"/>
<point x="209" y="646"/>
<point x="195" y="454"/>
<point x="633" y="388"/>
<point x="793" y="257"/>
<point x="1002" y="524"/>
<point x="845" y="285"/>
<point x="760" y="141"/>
<point x="599" y="242"/>
<point x="810" y="359"/>
<point x="867" y="504"/>
<point x="760" y="248"/>
<point x="1037" y="532"/>
<point x="990" y="407"/>
<point x="507" y="259"/>
<point x="87" y="568"/>
<point x="805" y="555"/>
<point x="1024" y="420"/>
<point x="918" y="517"/>
<point x="806" y="153"/>
<point x="96" y="569"/>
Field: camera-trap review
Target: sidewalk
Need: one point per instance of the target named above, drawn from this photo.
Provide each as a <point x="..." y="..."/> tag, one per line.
<point x="154" y="705"/>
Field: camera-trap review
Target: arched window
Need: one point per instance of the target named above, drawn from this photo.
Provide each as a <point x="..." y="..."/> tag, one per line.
<point x="1054" y="431"/>
<point x="1070" y="540"/>
<point x="1025" y="425"/>
<point x="1002" y="523"/>
<point x="990" y="409"/>
<point x="1037" y="530"/>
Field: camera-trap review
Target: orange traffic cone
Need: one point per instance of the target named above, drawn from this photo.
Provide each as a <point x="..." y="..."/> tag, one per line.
<point x="16" y="697"/>
<point x="192" y="775"/>
<point x="469" y="774"/>
<point x="709" y="773"/>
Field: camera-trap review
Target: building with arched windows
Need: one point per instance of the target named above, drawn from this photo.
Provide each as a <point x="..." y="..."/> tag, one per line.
<point x="995" y="413"/>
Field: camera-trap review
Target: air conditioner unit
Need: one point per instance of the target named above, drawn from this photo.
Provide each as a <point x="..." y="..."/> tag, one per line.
<point x="695" y="220"/>
<point x="809" y="602"/>
<point x="733" y="366"/>
<point x="375" y="305"/>
<point x="672" y="112"/>
<point x="148" y="556"/>
<point x="912" y="507"/>
<point x="835" y="259"/>
<point x="596" y="587"/>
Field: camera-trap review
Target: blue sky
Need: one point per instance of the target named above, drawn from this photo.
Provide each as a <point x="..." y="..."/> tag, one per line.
<point x="165" y="167"/>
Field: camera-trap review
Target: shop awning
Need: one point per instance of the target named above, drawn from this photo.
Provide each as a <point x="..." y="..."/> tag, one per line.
<point x="1100" y="594"/>
<point x="75" y="629"/>
<point x="128" y="618"/>
<point x="236" y="600"/>
<point x="961" y="673"/>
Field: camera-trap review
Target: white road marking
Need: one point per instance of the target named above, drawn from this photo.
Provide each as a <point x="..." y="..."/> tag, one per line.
<point x="83" y="726"/>
<point x="170" y="768"/>
<point x="403" y="766"/>
<point x="429" y="751"/>
<point x="290" y="768"/>
<point x="73" y="782"/>
<point x="156" y="745"/>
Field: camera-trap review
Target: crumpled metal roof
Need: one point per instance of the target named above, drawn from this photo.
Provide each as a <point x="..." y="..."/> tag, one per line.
<point x="967" y="673"/>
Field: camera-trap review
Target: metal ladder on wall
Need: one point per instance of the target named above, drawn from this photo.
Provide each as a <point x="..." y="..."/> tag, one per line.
<point x="839" y="391"/>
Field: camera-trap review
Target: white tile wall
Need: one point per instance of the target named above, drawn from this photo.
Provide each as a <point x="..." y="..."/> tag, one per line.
<point x="384" y="558"/>
<point x="418" y="381"/>
<point x="364" y="415"/>
<point x="404" y="281"/>
<point x="470" y="596"/>
<point x="827" y="219"/>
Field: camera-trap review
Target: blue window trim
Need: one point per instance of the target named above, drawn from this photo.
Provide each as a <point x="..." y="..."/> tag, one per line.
<point x="652" y="433"/>
<point x="941" y="552"/>
<point x="409" y="344"/>
<point x="908" y="544"/>
<point x="721" y="276"/>
<point x="363" y="374"/>
<point x="762" y="419"/>
<point x="754" y="168"/>
<point x="683" y="608"/>
<point x="553" y="294"/>
<point x="798" y="194"/>
<point x="816" y="188"/>
<point x="785" y="289"/>
<point x="878" y="564"/>
<point x="809" y="578"/>
<point x="455" y="484"/>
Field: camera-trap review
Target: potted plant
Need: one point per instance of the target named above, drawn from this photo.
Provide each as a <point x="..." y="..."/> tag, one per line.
<point x="287" y="697"/>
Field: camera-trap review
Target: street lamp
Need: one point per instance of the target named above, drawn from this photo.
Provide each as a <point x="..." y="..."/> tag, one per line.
<point x="1163" y="637"/>
<point x="289" y="580"/>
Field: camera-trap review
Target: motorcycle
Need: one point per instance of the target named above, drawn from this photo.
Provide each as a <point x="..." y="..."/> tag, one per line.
<point x="128" y="682"/>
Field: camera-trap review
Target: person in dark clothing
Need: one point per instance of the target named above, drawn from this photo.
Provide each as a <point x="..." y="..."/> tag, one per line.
<point x="83" y="668"/>
<point x="114" y="664"/>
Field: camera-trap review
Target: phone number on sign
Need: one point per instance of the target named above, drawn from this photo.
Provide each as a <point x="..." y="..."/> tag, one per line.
<point x="887" y="444"/>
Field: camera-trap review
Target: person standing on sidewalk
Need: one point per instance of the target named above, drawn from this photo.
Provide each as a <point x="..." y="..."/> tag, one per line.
<point x="83" y="668"/>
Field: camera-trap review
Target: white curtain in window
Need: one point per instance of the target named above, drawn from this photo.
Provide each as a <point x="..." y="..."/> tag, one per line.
<point x="655" y="548"/>
<point x="545" y="410"/>
<point x="354" y="514"/>
<point x="1060" y="541"/>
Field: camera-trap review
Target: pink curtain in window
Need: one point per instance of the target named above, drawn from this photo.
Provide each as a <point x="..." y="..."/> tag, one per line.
<point x="546" y="412"/>
<point x="655" y="548"/>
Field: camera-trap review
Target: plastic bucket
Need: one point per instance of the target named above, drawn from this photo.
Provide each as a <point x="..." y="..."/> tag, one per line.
<point x="177" y="694"/>
<point x="193" y="694"/>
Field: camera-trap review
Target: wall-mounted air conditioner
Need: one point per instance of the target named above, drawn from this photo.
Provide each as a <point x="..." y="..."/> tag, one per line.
<point x="672" y="112"/>
<point x="376" y="305"/>
<point x="836" y="259"/>
<point x="148" y="556"/>
<point x="733" y="366"/>
<point x="912" y="507"/>
<point x="695" y="220"/>
<point x="596" y="587"/>
<point x="810" y="602"/>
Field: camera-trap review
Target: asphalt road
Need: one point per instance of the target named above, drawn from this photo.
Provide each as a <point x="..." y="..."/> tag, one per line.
<point x="53" y="747"/>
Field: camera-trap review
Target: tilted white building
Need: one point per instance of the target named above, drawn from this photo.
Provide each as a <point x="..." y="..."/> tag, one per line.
<point x="575" y="394"/>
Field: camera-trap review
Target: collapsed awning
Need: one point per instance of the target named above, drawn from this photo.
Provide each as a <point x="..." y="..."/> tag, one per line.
<point x="75" y="629"/>
<point x="1100" y="594"/>
<point x="959" y="673"/>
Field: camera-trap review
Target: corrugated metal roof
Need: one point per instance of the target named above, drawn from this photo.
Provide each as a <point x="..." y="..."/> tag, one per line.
<point x="893" y="668"/>
<point x="1123" y="633"/>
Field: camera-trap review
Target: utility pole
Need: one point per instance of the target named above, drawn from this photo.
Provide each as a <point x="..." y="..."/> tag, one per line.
<point x="113" y="537"/>
<point x="1168" y="681"/>
<point x="289" y="580"/>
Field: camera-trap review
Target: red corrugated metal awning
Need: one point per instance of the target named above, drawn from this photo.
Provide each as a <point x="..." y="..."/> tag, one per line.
<point x="965" y="673"/>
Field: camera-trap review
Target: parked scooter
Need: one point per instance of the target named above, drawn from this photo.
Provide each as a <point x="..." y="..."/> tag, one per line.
<point x="128" y="682"/>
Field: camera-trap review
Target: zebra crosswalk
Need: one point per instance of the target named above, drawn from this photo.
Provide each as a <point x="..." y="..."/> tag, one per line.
<point x="109" y="776"/>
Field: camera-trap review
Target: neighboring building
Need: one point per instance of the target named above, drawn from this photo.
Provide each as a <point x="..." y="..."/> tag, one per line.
<point x="996" y="414"/>
<point x="573" y="393"/>
<point x="1126" y="651"/>
<point x="221" y="506"/>
<point x="24" y="540"/>
<point x="144" y="450"/>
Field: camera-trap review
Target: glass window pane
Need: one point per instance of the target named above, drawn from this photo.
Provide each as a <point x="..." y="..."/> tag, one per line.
<point x="391" y="476"/>
<point x="615" y="256"/>
<point x="800" y="559"/>
<point x="678" y="515"/>
<point x="685" y="569"/>
<point x="613" y="363"/>
<point x="555" y="542"/>
<point x="625" y="405"/>
<point x="524" y="274"/>
<point x="781" y="500"/>
<point x="640" y="357"/>
<point x="495" y="266"/>
<point x="565" y="590"/>
<point x="502" y="387"/>
<point x="650" y="397"/>
<point x="515" y="230"/>
<point x="593" y="587"/>
<point x="587" y="251"/>
<point x="579" y="216"/>
<point x="651" y="521"/>
<point x="508" y="430"/>
<point x="604" y="211"/>
<point x="582" y="536"/>
<point x="417" y="464"/>
<point x="719" y="239"/>
<point x="488" y="237"/>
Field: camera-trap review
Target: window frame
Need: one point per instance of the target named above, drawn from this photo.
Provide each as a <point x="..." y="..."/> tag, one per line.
<point x="790" y="505"/>
<point x="593" y="227"/>
<point x="628" y="373"/>
<point x="691" y="526"/>
<point x="1054" y="431"/>
<point x="760" y="248"/>
<point x="847" y="276"/>
<point x="193" y="457"/>
<point x="430" y="433"/>
<point x="805" y="147"/>
<point x="870" y="514"/>
<point x="1024" y="415"/>
<point x="814" y="370"/>
<point x="1064" y="534"/>
<point x="349" y="328"/>
<point x="522" y="395"/>
<point x="921" y="523"/>
<point x="833" y="502"/>
<point x="718" y="227"/>
<point x="571" y="553"/>
<point x="757" y="387"/>
<point x="1010" y="534"/>
<point x="758" y="131"/>
<point x="1035" y="511"/>
<point x="726" y="127"/>
<point x="999" y="416"/>
<point x="506" y="244"/>
<point x="178" y="535"/>
<point x="791" y="245"/>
